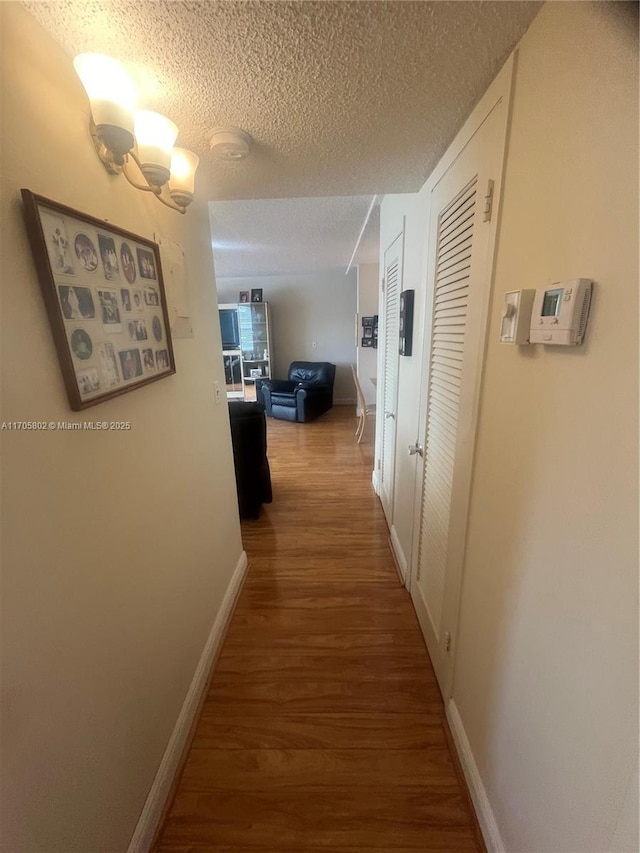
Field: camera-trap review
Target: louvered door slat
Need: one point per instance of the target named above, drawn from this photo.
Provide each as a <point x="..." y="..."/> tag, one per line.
<point x="441" y="442"/>
<point x="463" y="201"/>
<point x="454" y="349"/>
<point x="452" y="325"/>
<point x="451" y="298"/>
<point x="448" y="406"/>
<point x="451" y="314"/>
<point x="454" y="266"/>
<point x="444" y="433"/>
<point x="459" y="243"/>
<point x="446" y="374"/>
<point x="447" y="421"/>
<point x="446" y="360"/>
<point x="437" y="490"/>
<point x="456" y="236"/>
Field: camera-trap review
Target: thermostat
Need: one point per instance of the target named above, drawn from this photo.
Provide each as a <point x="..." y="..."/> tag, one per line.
<point x="516" y="317"/>
<point x="560" y="313"/>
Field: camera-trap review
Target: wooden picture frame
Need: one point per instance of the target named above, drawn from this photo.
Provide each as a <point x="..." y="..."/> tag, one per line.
<point x="104" y="294"/>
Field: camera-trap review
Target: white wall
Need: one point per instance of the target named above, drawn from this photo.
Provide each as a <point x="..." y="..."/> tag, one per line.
<point x="117" y="548"/>
<point x="546" y="677"/>
<point x="367" y="306"/>
<point x="546" y="673"/>
<point x="316" y="307"/>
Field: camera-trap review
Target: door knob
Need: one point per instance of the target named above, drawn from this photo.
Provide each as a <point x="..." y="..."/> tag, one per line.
<point x="389" y="415"/>
<point x="416" y="449"/>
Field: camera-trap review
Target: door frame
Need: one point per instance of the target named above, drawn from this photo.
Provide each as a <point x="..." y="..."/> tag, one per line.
<point x="500" y="91"/>
<point x="382" y="352"/>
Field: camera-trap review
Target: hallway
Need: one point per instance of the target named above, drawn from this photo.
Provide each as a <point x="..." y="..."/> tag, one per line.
<point x="323" y="725"/>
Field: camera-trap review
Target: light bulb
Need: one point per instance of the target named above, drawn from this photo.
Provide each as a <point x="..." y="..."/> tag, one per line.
<point x="155" y="135"/>
<point x="183" y="171"/>
<point x="112" y="96"/>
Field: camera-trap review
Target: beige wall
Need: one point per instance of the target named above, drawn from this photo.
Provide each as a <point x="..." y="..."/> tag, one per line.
<point x="367" y="306"/>
<point x="316" y="307"/>
<point x="116" y="547"/>
<point x="546" y="674"/>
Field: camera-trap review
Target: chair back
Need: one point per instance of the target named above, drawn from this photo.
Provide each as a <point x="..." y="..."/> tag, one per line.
<point x="362" y="403"/>
<point x="313" y="372"/>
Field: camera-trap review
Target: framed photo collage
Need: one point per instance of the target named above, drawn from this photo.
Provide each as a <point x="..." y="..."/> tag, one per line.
<point x="105" y="298"/>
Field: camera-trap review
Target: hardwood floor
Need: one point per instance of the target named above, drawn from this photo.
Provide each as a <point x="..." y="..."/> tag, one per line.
<point x="323" y="728"/>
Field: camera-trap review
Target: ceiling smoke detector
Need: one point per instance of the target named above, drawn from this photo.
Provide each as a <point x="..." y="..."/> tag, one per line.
<point x="230" y="143"/>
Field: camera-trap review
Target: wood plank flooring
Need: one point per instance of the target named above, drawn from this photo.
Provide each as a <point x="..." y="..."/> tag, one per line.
<point x="323" y="728"/>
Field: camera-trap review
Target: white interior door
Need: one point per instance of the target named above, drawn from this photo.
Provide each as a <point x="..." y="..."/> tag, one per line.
<point x="459" y="270"/>
<point x="391" y="358"/>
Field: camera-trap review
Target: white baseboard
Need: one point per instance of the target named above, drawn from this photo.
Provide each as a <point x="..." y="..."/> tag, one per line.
<point x="145" y="830"/>
<point x="398" y="553"/>
<point x="484" y="812"/>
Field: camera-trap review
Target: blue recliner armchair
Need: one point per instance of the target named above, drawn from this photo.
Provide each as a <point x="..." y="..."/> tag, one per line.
<point x="304" y="396"/>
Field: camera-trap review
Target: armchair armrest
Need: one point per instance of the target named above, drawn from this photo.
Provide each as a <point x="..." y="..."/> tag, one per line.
<point x="312" y="400"/>
<point x="310" y="389"/>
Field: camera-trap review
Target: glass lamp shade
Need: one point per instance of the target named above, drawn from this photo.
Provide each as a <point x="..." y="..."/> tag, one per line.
<point x="155" y="136"/>
<point x="112" y="96"/>
<point x="183" y="171"/>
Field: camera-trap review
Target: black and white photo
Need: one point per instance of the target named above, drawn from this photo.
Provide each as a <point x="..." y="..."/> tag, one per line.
<point x="156" y="327"/>
<point x="57" y="241"/>
<point x="110" y="311"/>
<point x="108" y="365"/>
<point x="162" y="359"/>
<point x="151" y="297"/>
<point x="88" y="381"/>
<point x="109" y="257"/>
<point x="138" y="330"/>
<point x="86" y="252"/>
<point x="128" y="263"/>
<point x="146" y="263"/>
<point x="81" y="344"/>
<point x="148" y="360"/>
<point x="76" y="302"/>
<point x="131" y="364"/>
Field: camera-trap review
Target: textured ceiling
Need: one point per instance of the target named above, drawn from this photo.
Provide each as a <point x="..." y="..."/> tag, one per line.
<point x="342" y="98"/>
<point x="299" y="235"/>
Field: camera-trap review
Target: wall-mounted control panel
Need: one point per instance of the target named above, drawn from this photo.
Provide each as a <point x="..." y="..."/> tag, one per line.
<point x="560" y="313"/>
<point x="516" y="317"/>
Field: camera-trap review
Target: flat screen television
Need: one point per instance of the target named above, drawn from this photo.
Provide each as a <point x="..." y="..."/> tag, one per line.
<point x="229" y="328"/>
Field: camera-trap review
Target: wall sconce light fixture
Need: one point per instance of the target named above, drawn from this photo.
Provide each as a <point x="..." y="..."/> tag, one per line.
<point x="121" y="134"/>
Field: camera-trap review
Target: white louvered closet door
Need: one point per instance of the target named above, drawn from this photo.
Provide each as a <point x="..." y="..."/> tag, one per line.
<point x="459" y="281"/>
<point x="450" y="314"/>
<point x="391" y="343"/>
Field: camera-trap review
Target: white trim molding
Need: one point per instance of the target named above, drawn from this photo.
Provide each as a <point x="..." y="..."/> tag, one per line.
<point x="398" y="553"/>
<point x="153" y="808"/>
<point x="481" y="804"/>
